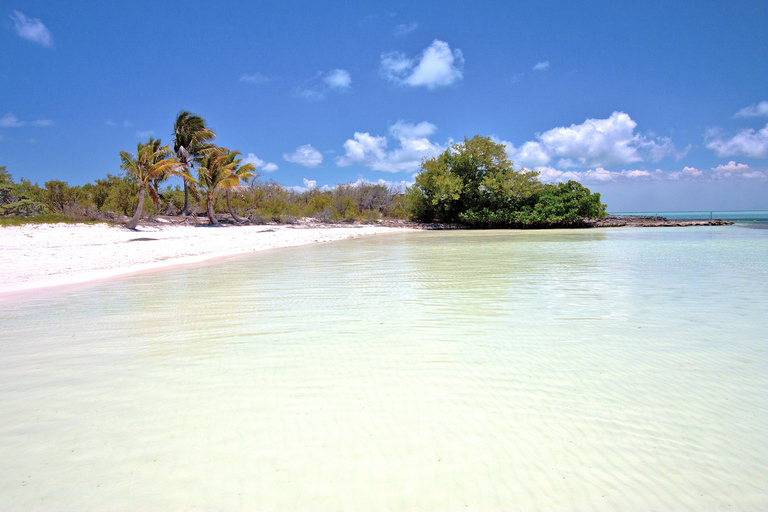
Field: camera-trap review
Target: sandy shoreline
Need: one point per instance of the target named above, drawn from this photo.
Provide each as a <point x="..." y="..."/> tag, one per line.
<point x="41" y="256"/>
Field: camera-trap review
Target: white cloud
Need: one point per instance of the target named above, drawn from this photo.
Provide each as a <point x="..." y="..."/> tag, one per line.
<point x="597" y="175"/>
<point x="531" y="154"/>
<point x="390" y="184"/>
<point x="371" y="151"/>
<point x="731" y="167"/>
<point x="304" y="155"/>
<point x="732" y="170"/>
<point x="11" y="121"/>
<point x="692" y="171"/>
<point x="759" y="110"/>
<point x="438" y="66"/>
<point x="145" y="133"/>
<point x="745" y="143"/>
<point x="541" y="66"/>
<point x="311" y="184"/>
<point x="259" y="164"/>
<point x="549" y="174"/>
<point x="594" y="143"/>
<point x="403" y="130"/>
<point x="308" y="185"/>
<point x="256" y="78"/>
<point x="32" y="29"/>
<point x="404" y="29"/>
<point x="637" y="174"/>
<point x="338" y="79"/>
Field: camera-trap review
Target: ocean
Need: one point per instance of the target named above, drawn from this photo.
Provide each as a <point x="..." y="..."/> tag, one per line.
<point x="738" y="216"/>
<point x="595" y="369"/>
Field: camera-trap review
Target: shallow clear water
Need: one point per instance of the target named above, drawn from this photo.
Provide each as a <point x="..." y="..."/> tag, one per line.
<point x="614" y="369"/>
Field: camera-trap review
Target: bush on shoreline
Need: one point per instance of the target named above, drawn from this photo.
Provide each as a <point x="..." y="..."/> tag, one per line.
<point x="474" y="183"/>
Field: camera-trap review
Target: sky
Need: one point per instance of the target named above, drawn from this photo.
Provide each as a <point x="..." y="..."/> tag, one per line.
<point x="656" y="105"/>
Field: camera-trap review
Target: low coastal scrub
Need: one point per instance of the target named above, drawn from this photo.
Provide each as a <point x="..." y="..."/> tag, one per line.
<point x="472" y="183"/>
<point x="116" y="197"/>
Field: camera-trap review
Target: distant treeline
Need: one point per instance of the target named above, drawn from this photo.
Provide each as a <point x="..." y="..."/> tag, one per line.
<point x="472" y="183"/>
<point x="259" y="202"/>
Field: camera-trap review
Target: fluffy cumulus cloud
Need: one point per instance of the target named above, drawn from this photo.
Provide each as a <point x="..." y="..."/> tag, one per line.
<point x="32" y="29"/>
<point x="437" y="66"/>
<point x="593" y="143"/>
<point x="597" y="175"/>
<point x="413" y="145"/>
<point x="731" y="167"/>
<point x="305" y="155"/>
<point x="734" y="170"/>
<point x="260" y="164"/>
<point x="338" y="79"/>
<point x="312" y="184"/>
<point x="758" y="110"/>
<point x="687" y="173"/>
<point x="541" y="66"/>
<point x="744" y="143"/>
<point x="11" y="121"/>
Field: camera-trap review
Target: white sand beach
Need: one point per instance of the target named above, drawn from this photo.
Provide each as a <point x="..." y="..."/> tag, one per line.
<point x="38" y="256"/>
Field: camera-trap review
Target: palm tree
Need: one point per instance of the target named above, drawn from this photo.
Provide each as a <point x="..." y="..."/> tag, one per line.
<point x="213" y="170"/>
<point x="238" y="173"/>
<point x="150" y="162"/>
<point x="191" y="139"/>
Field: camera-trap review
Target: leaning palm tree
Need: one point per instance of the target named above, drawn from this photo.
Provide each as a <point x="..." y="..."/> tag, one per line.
<point x="238" y="173"/>
<point x="191" y="139"/>
<point x="150" y="162"/>
<point x="213" y="170"/>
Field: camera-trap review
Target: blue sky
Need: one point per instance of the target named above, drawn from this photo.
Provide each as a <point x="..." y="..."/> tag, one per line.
<point x="656" y="105"/>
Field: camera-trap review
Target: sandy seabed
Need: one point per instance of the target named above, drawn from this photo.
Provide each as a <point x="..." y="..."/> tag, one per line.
<point x="38" y="256"/>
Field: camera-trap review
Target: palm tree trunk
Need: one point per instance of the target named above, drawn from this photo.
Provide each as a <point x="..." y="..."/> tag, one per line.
<point x="131" y="224"/>
<point x="232" y="212"/>
<point x="185" y="210"/>
<point x="211" y="215"/>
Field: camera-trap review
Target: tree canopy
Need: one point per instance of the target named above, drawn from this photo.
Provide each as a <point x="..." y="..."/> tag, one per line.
<point x="474" y="182"/>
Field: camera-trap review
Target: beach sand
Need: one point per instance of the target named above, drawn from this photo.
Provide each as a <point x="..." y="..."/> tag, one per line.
<point x="38" y="256"/>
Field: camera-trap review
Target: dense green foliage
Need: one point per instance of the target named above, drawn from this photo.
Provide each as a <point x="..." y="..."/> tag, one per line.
<point x="473" y="182"/>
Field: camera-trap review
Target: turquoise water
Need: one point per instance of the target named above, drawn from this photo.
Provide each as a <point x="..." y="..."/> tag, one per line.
<point x="610" y="369"/>
<point x="760" y="216"/>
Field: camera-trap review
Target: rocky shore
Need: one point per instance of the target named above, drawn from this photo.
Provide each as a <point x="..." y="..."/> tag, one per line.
<point x="614" y="221"/>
